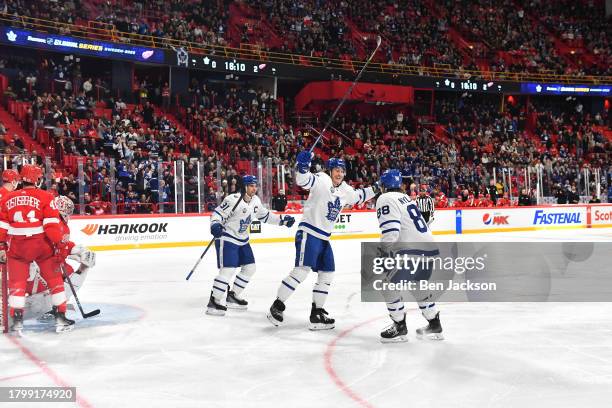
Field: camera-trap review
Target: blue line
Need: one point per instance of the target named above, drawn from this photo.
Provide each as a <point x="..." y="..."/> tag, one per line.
<point x="295" y="279"/>
<point x="222" y="290"/>
<point x="237" y="284"/>
<point x="390" y="230"/>
<point x="221" y="215"/>
<point x="395" y="301"/>
<point x="220" y="281"/>
<point x="319" y="291"/>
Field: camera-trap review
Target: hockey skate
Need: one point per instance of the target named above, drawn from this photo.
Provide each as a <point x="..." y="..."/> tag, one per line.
<point x="17" y="324"/>
<point x="62" y="323"/>
<point x="433" y="331"/>
<point x="234" y="302"/>
<point x="319" y="319"/>
<point x="275" y="316"/>
<point x="395" y="333"/>
<point x="46" y="317"/>
<point x="214" y="308"/>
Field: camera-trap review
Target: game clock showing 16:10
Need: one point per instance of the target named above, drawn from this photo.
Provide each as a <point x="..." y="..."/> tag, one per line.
<point x="232" y="65"/>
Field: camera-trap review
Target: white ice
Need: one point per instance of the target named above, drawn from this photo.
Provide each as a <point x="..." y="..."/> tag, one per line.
<point x="153" y="346"/>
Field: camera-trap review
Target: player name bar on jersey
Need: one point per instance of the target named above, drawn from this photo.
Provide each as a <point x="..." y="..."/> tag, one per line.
<point x="23" y="200"/>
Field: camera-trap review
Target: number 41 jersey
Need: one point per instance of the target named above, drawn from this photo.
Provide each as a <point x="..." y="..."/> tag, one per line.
<point x="29" y="212"/>
<point x="400" y="220"/>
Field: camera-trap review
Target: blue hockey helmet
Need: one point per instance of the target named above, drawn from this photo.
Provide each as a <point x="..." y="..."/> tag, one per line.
<point x="391" y="178"/>
<point x="335" y="162"/>
<point x="249" y="179"/>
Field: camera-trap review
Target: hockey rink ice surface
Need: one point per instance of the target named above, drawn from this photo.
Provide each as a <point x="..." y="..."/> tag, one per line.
<point x="153" y="346"/>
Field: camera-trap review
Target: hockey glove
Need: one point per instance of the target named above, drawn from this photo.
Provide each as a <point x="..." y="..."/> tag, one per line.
<point x="62" y="250"/>
<point x="287" y="221"/>
<point x="303" y="161"/>
<point x="216" y="230"/>
<point x="83" y="255"/>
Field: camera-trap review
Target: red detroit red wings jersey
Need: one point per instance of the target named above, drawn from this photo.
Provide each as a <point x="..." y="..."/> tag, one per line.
<point x="3" y="192"/>
<point x="28" y="212"/>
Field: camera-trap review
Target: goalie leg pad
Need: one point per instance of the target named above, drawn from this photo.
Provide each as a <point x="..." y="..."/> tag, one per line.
<point x="290" y="283"/>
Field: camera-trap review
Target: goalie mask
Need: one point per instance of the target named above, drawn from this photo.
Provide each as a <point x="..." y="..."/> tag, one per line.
<point x="65" y="206"/>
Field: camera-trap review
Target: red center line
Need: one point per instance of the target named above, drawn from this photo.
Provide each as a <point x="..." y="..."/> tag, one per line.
<point x="48" y="371"/>
<point x="327" y="357"/>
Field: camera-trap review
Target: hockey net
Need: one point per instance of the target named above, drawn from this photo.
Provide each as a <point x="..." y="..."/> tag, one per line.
<point x="3" y="299"/>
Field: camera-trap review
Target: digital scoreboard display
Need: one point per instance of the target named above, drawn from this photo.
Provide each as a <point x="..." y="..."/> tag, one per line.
<point x="566" y="89"/>
<point x="73" y="45"/>
<point x="231" y="65"/>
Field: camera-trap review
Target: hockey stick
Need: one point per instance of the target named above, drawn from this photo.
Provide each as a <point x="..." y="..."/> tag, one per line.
<point x="67" y="279"/>
<point x="213" y="240"/>
<point x="347" y="93"/>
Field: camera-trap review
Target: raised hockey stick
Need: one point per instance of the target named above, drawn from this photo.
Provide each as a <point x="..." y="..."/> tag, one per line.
<point x="347" y="93"/>
<point x="85" y="315"/>
<point x="212" y="240"/>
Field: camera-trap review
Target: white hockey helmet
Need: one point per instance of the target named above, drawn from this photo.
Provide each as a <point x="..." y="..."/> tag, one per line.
<point x="64" y="205"/>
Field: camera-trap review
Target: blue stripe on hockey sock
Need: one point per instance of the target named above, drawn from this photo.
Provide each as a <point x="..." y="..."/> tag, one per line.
<point x="219" y="289"/>
<point x="243" y="280"/>
<point x="422" y="307"/>
<point x="432" y="305"/>
<point x="319" y="291"/>
<point x="221" y="282"/>
<point x="390" y="230"/>
<point x="295" y="279"/>
<point x="395" y="301"/>
<point x="287" y="285"/>
<point x="239" y="285"/>
<point x="401" y="308"/>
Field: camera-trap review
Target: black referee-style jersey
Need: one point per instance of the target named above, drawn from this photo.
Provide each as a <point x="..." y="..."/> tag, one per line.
<point x="426" y="206"/>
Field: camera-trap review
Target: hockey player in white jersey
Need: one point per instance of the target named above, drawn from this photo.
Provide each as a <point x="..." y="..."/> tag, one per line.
<point x="230" y="229"/>
<point x="400" y="221"/>
<point x="313" y="251"/>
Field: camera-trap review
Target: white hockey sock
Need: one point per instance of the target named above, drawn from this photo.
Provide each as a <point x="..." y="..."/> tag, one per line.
<point x="242" y="278"/>
<point x="428" y="309"/>
<point x="221" y="284"/>
<point x="396" y="310"/>
<point x="321" y="288"/>
<point x="288" y="285"/>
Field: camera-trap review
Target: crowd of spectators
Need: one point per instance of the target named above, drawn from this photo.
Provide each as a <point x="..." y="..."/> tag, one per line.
<point x="578" y="24"/>
<point x="232" y="126"/>
<point x="510" y="35"/>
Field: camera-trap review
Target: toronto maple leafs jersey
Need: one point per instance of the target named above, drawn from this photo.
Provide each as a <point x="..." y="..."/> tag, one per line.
<point x="326" y="201"/>
<point x="400" y="220"/>
<point x="237" y="224"/>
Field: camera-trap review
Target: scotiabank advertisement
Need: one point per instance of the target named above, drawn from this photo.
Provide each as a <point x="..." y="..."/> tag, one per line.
<point x="601" y="215"/>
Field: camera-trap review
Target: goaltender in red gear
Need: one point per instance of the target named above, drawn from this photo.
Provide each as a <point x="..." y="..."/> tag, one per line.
<point x="30" y="232"/>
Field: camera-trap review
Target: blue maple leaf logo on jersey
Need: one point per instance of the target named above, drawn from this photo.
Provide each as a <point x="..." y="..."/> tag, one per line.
<point x="333" y="209"/>
<point x="244" y="224"/>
